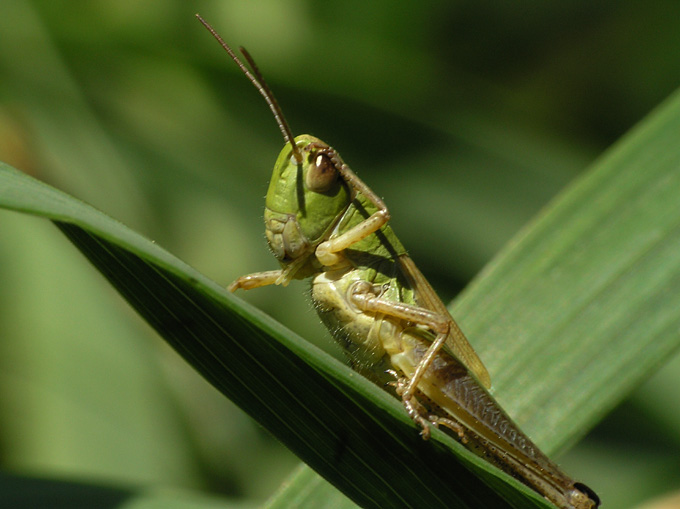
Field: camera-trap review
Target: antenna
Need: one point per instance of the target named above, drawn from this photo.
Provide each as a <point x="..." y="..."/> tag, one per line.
<point x="261" y="85"/>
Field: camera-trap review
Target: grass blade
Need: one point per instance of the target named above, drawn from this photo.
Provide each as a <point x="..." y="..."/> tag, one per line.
<point x="350" y="431"/>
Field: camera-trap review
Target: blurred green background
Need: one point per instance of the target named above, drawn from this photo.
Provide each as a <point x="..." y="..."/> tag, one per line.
<point x="133" y="108"/>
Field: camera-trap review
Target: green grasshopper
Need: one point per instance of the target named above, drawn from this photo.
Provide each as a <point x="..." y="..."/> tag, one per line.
<point x="323" y="222"/>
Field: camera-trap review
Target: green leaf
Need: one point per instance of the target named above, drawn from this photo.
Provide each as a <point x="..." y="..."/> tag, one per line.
<point x="583" y="304"/>
<point x="347" y="429"/>
<point x="569" y="318"/>
<point x="305" y="488"/>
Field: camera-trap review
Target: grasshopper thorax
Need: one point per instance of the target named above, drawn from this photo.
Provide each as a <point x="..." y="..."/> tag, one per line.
<point x="305" y="199"/>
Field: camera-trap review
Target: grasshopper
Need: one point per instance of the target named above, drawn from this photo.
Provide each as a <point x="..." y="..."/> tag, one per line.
<point x="322" y="221"/>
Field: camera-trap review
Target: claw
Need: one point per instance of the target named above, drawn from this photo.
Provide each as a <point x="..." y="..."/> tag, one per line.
<point x="415" y="412"/>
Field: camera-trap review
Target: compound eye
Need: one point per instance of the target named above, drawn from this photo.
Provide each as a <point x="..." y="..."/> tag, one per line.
<point x="322" y="174"/>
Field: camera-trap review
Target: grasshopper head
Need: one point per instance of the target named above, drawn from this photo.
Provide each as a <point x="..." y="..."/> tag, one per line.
<point x="307" y="195"/>
<point x="305" y="200"/>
